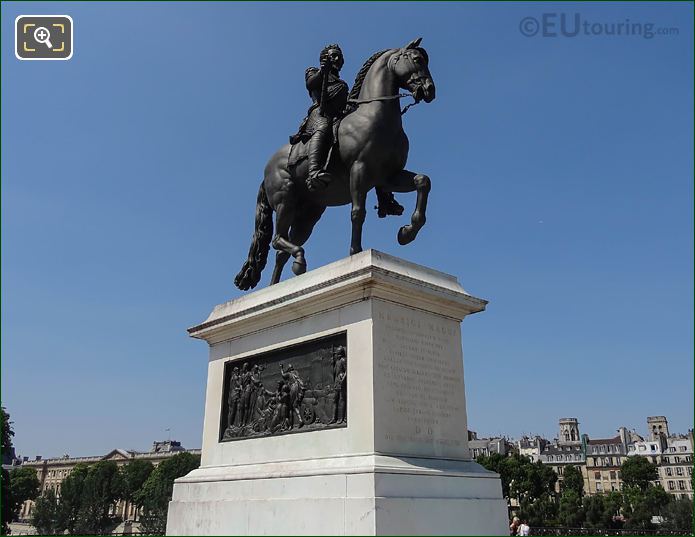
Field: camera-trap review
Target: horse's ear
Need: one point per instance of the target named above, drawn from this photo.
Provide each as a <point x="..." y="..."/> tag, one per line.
<point x="414" y="44"/>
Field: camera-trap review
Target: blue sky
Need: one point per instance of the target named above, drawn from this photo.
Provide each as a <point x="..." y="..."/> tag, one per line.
<point x="562" y="172"/>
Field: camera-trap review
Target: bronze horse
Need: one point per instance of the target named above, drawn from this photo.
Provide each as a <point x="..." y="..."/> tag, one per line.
<point x="372" y="150"/>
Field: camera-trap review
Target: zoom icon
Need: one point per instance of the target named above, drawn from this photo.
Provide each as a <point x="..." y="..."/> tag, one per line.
<point x="43" y="37"/>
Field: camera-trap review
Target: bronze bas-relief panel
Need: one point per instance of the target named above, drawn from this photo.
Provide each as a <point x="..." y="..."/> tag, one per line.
<point x="298" y="388"/>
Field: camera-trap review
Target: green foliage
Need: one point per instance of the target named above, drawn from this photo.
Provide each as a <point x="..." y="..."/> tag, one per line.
<point x="155" y="494"/>
<point x="600" y="510"/>
<point x="6" y="503"/>
<point x="45" y="515"/>
<point x="521" y="478"/>
<point x="638" y="472"/>
<point x="573" y="480"/>
<point x="640" y="506"/>
<point x="71" y="498"/>
<point x="678" y="515"/>
<point x="24" y="485"/>
<point x="101" y="489"/>
<point x="532" y="484"/>
<point x="571" y="510"/>
<point x="540" y="511"/>
<point x="7" y="432"/>
<point x="133" y="477"/>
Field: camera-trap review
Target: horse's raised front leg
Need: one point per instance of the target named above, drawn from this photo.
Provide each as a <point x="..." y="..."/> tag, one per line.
<point x="358" y="176"/>
<point x="407" y="181"/>
<point x="300" y="231"/>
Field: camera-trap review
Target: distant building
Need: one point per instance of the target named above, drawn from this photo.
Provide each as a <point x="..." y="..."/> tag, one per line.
<point x="604" y="456"/>
<point x="486" y="446"/>
<point x="531" y="447"/>
<point x="52" y="472"/>
<point x="566" y="450"/>
<point x="673" y="454"/>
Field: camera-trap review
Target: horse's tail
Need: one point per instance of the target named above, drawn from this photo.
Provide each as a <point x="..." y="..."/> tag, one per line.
<point x="250" y="273"/>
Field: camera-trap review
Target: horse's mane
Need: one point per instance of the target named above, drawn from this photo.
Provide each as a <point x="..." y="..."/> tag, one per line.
<point x="359" y="79"/>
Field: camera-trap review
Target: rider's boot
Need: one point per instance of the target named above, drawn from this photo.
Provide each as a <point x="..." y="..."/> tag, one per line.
<point x="387" y="204"/>
<point x="318" y="147"/>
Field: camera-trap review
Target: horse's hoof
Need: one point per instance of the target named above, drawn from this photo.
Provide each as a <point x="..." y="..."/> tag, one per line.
<point x="405" y="235"/>
<point x="299" y="267"/>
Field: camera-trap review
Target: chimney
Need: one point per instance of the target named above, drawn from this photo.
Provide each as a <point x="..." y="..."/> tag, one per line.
<point x="38" y="457"/>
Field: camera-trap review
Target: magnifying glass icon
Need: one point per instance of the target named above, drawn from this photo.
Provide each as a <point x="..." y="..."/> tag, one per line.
<point x="42" y="35"/>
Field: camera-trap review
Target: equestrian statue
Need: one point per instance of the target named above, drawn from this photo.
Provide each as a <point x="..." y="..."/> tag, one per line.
<point x="349" y="143"/>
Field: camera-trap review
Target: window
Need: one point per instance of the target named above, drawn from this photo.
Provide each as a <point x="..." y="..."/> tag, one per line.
<point x="559" y="470"/>
<point x="690" y="470"/>
<point x="594" y="449"/>
<point x="642" y="448"/>
<point x="677" y="459"/>
<point x="568" y="457"/>
<point x="603" y="449"/>
<point x="612" y="475"/>
<point x="599" y="487"/>
<point x="683" y="448"/>
<point x="672" y="449"/>
<point x="681" y="485"/>
<point x="671" y="485"/>
<point x="631" y="447"/>
<point x="652" y="447"/>
<point x="669" y="471"/>
<point x="688" y="458"/>
<point x="550" y="457"/>
<point x="679" y="470"/>
<point x="666" y="460"/>
<point x="597" y="475"/>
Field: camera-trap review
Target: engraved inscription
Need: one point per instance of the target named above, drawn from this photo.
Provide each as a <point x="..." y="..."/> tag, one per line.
<point x="298" y="388"/>
<point x="421" y="378"/>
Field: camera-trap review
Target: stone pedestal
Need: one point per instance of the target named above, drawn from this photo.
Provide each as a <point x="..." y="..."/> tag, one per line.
<point x="401" y="465"/>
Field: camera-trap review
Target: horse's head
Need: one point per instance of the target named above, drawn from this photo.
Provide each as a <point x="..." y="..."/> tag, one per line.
<point x="409" y="64"/>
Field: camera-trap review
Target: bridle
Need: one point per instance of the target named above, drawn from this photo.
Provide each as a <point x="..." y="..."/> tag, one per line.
<point x="393" y="60"/>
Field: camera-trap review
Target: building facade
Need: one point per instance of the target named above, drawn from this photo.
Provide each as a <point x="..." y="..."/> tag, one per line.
<point x="566" y="450"/>
<point x="52" y="472"/>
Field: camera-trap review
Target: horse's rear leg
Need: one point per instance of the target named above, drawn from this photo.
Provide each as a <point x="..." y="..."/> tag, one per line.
<point x="284" y="216"/>
<point x="300" y="231"/>
<point x="407" y="181"/>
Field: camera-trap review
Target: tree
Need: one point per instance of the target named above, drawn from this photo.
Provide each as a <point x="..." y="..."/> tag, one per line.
<point x="155" y="494"/>
<point x="71" y="498"/>
<point x="24" y="485"/>
<point x="641" y="505"/>
<point x="678" y="515"/>
<point x="7" y="432"/>
<point x="571" y="511"/>
<point x="603" y="510"/>
<point x="573" y="480"/>
<point x="45" y="515"/>
<point x="532" y="484"/>
<point x="6" y="503"/>
<point x="101" y="489"/>
<point x="133" y="477"/>
<point x="638" y="472"/>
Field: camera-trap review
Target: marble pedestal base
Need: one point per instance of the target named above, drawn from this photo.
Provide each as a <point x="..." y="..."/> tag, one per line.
<point x="400" y="466"/>
<point x="360" y="495"/>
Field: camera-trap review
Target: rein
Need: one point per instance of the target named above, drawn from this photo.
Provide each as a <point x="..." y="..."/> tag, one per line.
<point x="387" y="98"/>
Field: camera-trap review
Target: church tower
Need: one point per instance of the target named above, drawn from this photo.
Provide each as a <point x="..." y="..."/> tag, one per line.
<point x="569" y="432"/>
